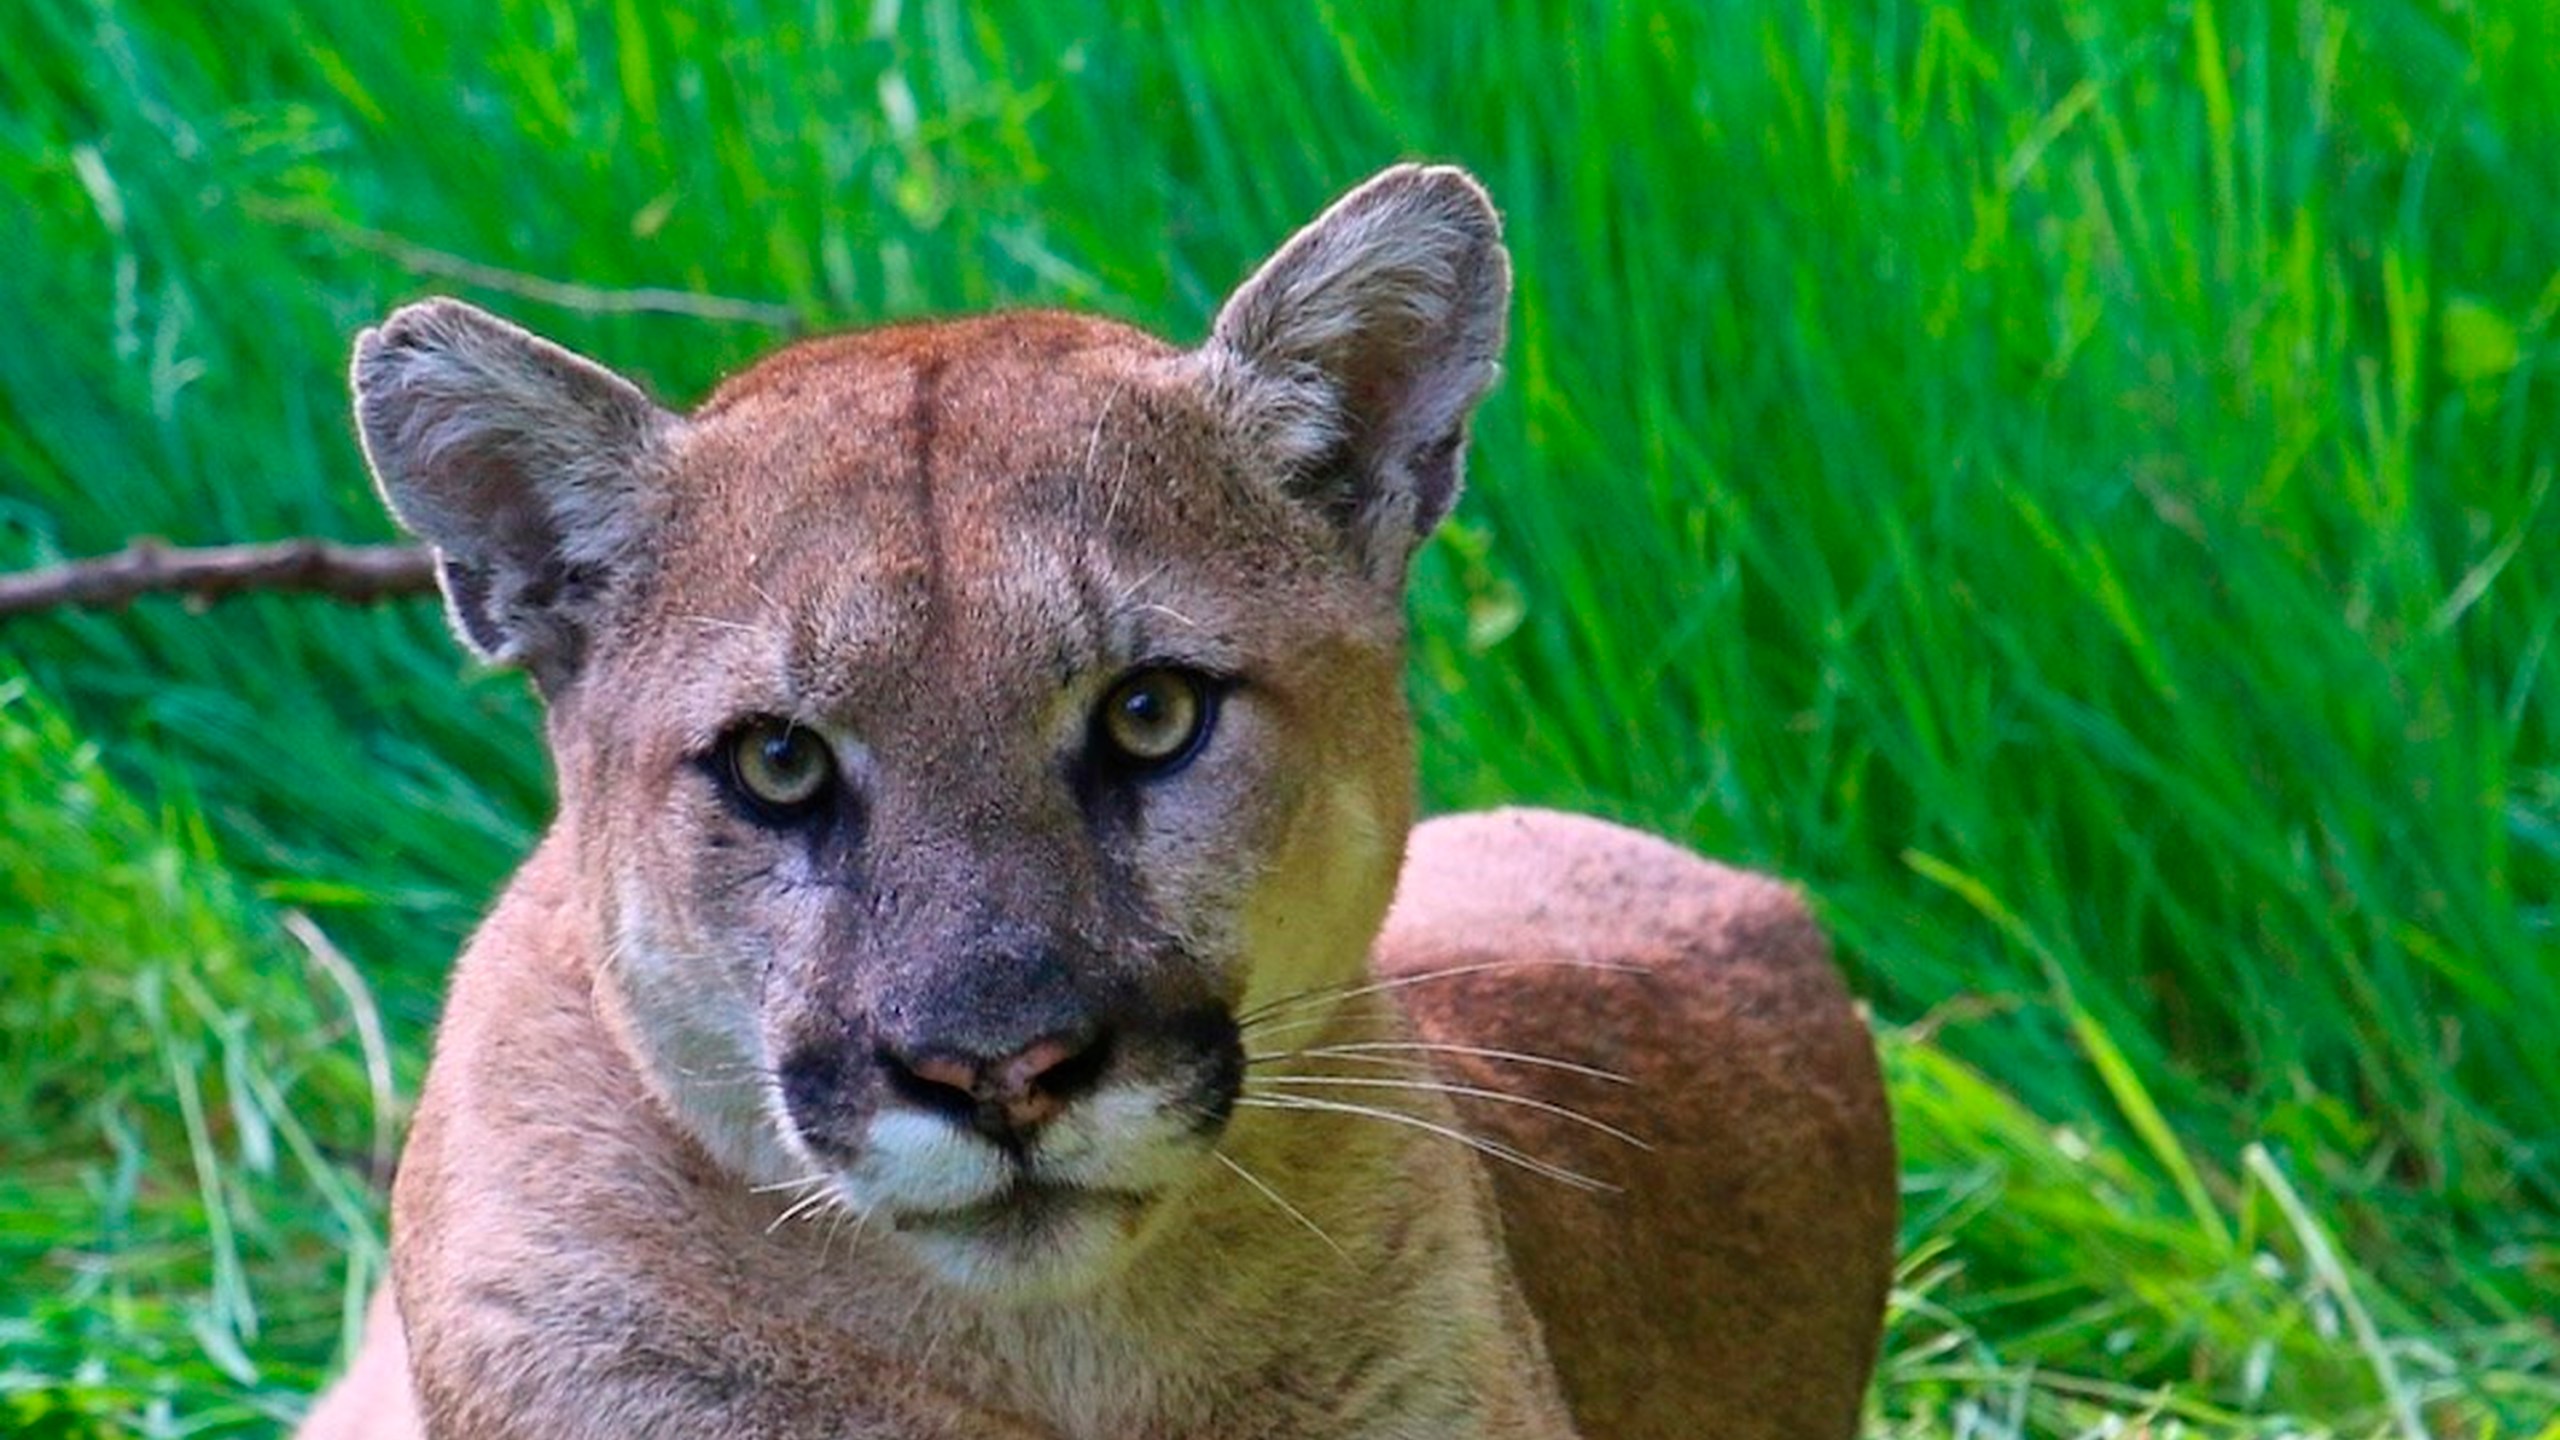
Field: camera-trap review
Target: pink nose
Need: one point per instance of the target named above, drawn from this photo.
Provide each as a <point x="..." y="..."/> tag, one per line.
<point x="1009" y="1097"/>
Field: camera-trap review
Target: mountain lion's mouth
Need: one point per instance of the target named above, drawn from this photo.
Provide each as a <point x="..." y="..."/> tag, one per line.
<point x="1027" y="1209"/>
<point x="1033" y="1239"/>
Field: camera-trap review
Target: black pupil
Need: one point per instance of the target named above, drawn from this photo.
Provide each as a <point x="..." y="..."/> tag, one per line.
<point x="1147" y="707"/>
<point x="785" y="757"/>
<point x="786" y="754"/>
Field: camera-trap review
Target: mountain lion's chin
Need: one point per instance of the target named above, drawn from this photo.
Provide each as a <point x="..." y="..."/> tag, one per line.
<point x="1034" y="1242"/>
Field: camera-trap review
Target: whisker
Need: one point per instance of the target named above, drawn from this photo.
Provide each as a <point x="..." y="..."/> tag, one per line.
<point x="726" y="1082"/>
<point x="1405" y="1064"/>
<point x="842" y="1212"/>
<point x="802" y="1183"/>
<point x="813" y="1200"/>
<point x="1272" y="1028"/>
<point x="1142" y="582"/>
<point x="827" y="1237"/>
<point x="724" y="1071"/>
<point x="1491" y="1149"/>
<point x="1362" y="1050"/>
<point x="714" y="622"/>
<point x="1355" y="990"/>
<point x="1472" y="1092"/>
<point x="1274" y="1196"/>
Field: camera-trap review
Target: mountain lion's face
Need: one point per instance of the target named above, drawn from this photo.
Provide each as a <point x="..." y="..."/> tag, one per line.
<point x="960" y="727"/>
<point x="985" y="738"/>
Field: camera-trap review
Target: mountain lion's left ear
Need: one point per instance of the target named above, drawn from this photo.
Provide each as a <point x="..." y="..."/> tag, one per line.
<point x="1355" y="355"/>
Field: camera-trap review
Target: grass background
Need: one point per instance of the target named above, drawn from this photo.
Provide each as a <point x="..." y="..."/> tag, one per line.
<point x="2069" y="483"/>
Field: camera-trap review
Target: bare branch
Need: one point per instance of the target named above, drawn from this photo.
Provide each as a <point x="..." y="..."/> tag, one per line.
<point x="354" y="573"/>
<point x="565" y="294"/>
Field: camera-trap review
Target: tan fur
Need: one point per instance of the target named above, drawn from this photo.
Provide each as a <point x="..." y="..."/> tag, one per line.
<point x="372" y="1400"/>
<point x="680" y="1167"/>
<point x="1731" y="1285"/>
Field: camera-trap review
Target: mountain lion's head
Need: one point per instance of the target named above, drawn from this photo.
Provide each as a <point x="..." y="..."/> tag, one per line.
<point x="960" y="726"/>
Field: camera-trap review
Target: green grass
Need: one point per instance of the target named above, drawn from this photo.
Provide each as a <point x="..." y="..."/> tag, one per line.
<point x="194" y="1092"/>
<point x="2072" y="484"/>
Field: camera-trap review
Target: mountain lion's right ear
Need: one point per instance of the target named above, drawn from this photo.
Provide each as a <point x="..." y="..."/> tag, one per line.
<point x="524" y="465"/>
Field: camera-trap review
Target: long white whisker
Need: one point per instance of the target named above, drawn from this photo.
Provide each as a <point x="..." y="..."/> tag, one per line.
<point x="1274" y="1196"/>
<point x="1363" y="1050"/>
<point x="803" y="1183"/>
<point x="739" y="1081"/>
<point x="861" y="1219"/>
<point x="714" y="622"/>
<point x="1269" y="1029"/>
<point x="827" y="1239"/>
<point x="1398" y="1064"/>
<point x="1491" y="1149"/>
<point x="811" y="1201"/>
<point x="1472" y="1092"/>
<point x="1453" y="972"/>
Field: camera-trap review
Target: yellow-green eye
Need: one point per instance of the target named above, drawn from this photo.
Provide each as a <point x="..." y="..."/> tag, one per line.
<point x="1154" y="719"/>
<point x="778" y="765"/>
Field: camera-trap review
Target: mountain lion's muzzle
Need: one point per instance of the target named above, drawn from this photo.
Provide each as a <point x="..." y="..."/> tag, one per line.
<point x="1003" y="1049"/>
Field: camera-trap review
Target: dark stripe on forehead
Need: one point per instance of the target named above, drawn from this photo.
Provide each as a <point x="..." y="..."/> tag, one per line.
<point x="924" y="411"/>
<point x="919" y="430"/>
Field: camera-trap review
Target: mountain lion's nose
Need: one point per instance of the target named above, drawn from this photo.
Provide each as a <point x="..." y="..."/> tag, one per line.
<point x="1005" y="1098"/>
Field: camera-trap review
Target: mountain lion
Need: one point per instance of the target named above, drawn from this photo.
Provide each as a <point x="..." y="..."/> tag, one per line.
<point x="959" y="995"/>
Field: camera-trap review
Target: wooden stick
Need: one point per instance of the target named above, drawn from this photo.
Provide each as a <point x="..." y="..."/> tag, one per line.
<point x="354" y="573"/>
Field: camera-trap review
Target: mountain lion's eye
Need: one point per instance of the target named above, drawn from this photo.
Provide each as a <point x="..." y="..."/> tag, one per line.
<point x="778" y="766"/>
<point x="1154" y="720"/>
